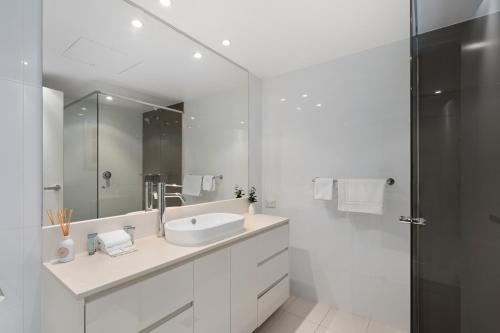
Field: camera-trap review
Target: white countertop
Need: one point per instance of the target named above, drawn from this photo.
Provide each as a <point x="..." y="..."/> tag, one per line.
<point x="88" y="275"/>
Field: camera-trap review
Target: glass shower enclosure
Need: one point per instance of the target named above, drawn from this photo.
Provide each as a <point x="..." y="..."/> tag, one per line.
<point x="112" y="144"/>
<point x="456" y="121"/>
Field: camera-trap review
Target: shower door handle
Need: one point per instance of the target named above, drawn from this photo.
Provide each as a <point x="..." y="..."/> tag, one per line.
<point x="413" y="220"/>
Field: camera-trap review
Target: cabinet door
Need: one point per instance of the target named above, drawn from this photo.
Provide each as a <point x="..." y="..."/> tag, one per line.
<point x="212" y="293"/>
<point x="244" y="286"/>
<point x="139" y="305"/>
<point x="182" y="323"/>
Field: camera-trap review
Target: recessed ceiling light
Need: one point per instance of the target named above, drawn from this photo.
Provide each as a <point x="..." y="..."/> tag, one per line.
<point x="136" y="23"/>
<point x="242" y="122"/>
<point x="226" y="42"/>
<point x="84" y="109"/>
<point x="109" y="98"/>
<point x="299" y="108"/>
<point x="305" y="95"/>
<point x="25" y="63"/>
<point x="438" y="92"/>
<point x="80" y="115"/>
<point x="166" y="3"/>
<point x="283" y="100"/>
<point x="193" y="118"/>
<point x="197" y="55"/>
<point x="319" y="105"/>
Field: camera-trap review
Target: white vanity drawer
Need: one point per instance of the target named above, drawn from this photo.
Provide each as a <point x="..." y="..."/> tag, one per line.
<point x="269" y="302"/>
<point x="271" y="270"/>
<point x="182" y="323"/>
<point x="139" y="305"/>
<point x="271" y="242"/>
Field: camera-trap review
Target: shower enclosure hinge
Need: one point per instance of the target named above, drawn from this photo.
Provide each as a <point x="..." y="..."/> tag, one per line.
<point x="413" y="220"/>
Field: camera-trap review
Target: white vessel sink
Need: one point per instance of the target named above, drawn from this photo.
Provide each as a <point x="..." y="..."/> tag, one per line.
<point x="203" y="229"/>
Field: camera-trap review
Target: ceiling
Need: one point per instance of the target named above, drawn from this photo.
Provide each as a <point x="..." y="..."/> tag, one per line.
<point x="273" y="37"/>
<point x="435" y="14"/>
<point x="91" y="45"/>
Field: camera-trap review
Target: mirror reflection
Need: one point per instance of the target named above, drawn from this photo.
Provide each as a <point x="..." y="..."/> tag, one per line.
<point x="129" y="103"/>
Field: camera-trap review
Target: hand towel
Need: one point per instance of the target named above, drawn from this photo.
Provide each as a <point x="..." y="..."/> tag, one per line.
<point x="192" y="185"/>
<point x="323" y="188"/>
<point x="115" y="243"/>
<point x="208" y="183"/>
<point x="361" y="195"/>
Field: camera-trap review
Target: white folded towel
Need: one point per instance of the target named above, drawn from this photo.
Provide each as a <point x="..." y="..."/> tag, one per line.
<point x="323" y="188"/>
<point x="208" y="183"/>
<point x="361" y="195"/>
<point x="191" y="185"/>
<point x="115" y="243"/>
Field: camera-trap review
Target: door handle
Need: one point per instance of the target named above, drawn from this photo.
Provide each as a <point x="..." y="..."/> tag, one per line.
<point x="413" y="220"/>
<point x="52" y="188"/>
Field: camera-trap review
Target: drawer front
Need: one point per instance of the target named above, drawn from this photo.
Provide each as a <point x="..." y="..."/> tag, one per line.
<point x="269" y="302"/>
<point x="272" y="242"/>
<point x="182" y="323"/>
<point x="137" y="306"/>
<point x="271" y="270"/>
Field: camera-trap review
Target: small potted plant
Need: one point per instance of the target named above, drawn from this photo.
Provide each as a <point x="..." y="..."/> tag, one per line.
<point x="238" y="192"/>
<point x="252" y="198"/>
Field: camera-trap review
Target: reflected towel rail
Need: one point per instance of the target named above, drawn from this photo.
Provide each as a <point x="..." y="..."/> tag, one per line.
<point x="390" y="181"/>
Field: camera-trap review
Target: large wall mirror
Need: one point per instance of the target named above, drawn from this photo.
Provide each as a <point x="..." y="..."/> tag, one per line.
<point x="129" y="100"/>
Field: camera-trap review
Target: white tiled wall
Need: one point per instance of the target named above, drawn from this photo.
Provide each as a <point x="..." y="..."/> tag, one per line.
<point x="358" y="262"/>
<point x="20" y="165"/>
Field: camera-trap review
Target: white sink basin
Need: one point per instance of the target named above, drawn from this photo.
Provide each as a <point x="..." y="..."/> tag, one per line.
<point x="203" y="229"/>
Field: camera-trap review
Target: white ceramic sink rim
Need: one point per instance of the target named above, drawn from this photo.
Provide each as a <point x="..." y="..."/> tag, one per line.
<point x="208" y="228"/>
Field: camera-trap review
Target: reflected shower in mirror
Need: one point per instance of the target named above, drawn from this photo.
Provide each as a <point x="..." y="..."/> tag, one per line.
<point x="126" y="104"/>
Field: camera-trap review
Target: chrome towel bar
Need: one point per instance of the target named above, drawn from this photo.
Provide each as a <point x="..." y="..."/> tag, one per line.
<point x="389" y="181"/>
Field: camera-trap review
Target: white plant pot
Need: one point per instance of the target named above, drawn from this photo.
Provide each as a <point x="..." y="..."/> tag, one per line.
<point x="251" y="209"/>
<point x="66" y="249"/>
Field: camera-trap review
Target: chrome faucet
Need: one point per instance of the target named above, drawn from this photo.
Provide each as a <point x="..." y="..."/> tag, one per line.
<point x="162" y="195"/>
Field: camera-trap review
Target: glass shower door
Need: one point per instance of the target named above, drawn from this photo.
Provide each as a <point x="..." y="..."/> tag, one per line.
<point x="456" y="156"/>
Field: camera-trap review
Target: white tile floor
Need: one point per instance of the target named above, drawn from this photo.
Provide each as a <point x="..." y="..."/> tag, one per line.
<point x="298" y="315"/>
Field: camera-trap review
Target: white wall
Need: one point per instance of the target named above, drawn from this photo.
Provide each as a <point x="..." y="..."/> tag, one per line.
<point x="255" y="138"/>
<point x="215" y="142"/>
<point x="358" y="262"/>
<point x="21" y="164"/>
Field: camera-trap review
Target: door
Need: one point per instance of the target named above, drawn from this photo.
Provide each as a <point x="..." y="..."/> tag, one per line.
<point x="456" y="173"/>
<point x="53" y="123"/>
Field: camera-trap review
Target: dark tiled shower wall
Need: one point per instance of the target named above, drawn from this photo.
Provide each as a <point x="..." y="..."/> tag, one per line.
<point x="459" y="260"/>
<point x="162" y="148"/>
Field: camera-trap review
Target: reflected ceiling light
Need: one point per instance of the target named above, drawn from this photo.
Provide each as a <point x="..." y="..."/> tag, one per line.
<point x="197" y="55"/>
<point x="80" y="115"/>
<point x="25" y="63"/>
<point x="299" y="108"/>
<point x="319" y="105"/>
<point x="109" y="98"/>
<point x="305" y="95"/>
<point x="136" y="23"/>
<point x="242" y="122"/>
<point x="166" y="3"/>
<point x="283" y="100"/>
<point x="226" y="42"/>
<point x="193" y="118"/>
<point x="84" y="109"/>
<point x="438" y="92"/>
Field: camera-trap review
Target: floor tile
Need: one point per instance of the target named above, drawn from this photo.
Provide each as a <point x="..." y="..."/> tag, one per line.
<point x="288" y="302"/>
<point x="311" y="311"/>
<point x="329" y="317"/>
<point x="378" y="327"/>
<point x="345" y="322"/>
<point x="289" y="323"/>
